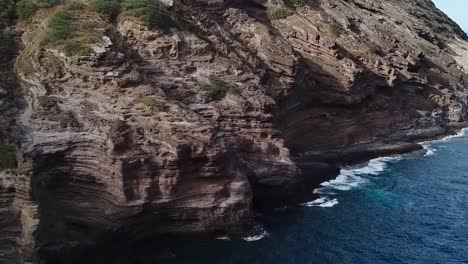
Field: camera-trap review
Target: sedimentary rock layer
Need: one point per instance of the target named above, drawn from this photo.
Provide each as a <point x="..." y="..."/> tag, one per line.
<point x="127" y="141"/>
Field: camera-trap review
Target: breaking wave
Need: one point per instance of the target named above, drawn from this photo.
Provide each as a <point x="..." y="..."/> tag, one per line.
<point x="356" y="176"/>
<point x="322" y="202"/>
<point x="431" y="150"/>
<point x="225" y="238"/>
<point x="349" y="178"/>
<point x="258" y="233"/>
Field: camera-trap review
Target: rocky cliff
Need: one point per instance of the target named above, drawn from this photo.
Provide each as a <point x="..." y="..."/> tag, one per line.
<point x="120" y="125"/>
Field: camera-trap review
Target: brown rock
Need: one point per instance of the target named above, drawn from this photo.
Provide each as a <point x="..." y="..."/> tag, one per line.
<point x="194" y="128"/>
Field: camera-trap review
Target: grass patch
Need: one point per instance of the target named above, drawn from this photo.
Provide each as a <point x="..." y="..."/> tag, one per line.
<point x="7" y="157"/>
<point x="69" y="31"/>
<point x="76" y="49"/>
<point x="298" y="3"/>
<point x="26" y="9"/>
<point x="152" y="13"/>
<point x="216" y="89"/>
<point x="276" y="12"/>
<point x="150" y="102"/>
<point x="371" y="53"/>
<point x="110" y="8"/>
<point x="76" y="6"/>
<point x="336" y="30"/>
<point x="427" y="50"/>
<point x="61" y="26"/>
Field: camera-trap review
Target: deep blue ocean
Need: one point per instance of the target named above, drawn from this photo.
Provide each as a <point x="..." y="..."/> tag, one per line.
<point x="407" y="209"/>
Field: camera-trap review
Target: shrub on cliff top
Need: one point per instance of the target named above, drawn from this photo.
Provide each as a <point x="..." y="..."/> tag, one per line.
<point x="298" y="3"/>
<point x="427" y="50"/>
<point x="216" y="89"/>
<point x="336" y="30"/>
<point x="26" y="9"/>
<point x="7" y="157"/>
<point x="76" y="49"/>
<point x="60" y="27"/>
<point x="71" y="29"/>
<point x="278" y="12"/>
<point x="151" y="12"/>
<point x="149" y="102"/>
<point x="109" y="8"/>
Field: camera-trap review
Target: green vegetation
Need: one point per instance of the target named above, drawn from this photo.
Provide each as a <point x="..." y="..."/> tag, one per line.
<point x="62" y="31"/>
<point x="109" y="8"/>
<point x="298" y="3"/>
<point x="151" y="12"/>
<point x="336" y="30"/>
<point x="427" y="50"/>
<point x="7" y="157"/>
<point x="278" y="12"/>
<point x="26" y="9"/>
<point x="76" y="49"/>
<point x="48" y="3"/>
<point x="7" y="8"/>
<point x="371" y="53"/>
<point x="60" y="27"/>
<point x="150" y="102"/>
<point x="216" y="89"/>
<point x="76" y="6"/>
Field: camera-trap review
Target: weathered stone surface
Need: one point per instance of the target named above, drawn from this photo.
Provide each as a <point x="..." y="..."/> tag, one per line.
<point x="126" y="143"/>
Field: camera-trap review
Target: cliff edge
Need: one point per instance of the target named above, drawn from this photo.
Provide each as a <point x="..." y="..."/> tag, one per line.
<point x="139" y="118"/>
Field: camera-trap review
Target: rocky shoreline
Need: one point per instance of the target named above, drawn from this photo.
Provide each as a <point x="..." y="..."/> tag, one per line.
<point x="358" y="154"/>
<point x="326" y="165"/>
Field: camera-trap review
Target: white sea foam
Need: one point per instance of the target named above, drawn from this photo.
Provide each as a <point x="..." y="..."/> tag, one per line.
<point x="352" y="177"/>
<point x="430" y="150"/>
<point x="225" y="238"/>
<point x="460" y="133"/>
<point x="259" y="233"/>
<point x="356" y="176"/>
<point x="349" y="178"/>
<point x="330" y="203"/>
<point x="322" y="202"/>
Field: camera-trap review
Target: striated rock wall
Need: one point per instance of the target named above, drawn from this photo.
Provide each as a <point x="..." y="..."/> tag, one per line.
<point x="126" y="142"/>
<point x="10" y="194"/>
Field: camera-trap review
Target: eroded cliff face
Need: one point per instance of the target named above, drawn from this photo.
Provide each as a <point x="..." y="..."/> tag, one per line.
<point x="126" y="141"/>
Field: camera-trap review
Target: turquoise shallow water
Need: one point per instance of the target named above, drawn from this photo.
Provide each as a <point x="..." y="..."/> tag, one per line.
<point x="411" y="209"/>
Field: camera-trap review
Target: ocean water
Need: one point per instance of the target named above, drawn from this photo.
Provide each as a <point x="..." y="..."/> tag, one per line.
<point x="405" y="209"/>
